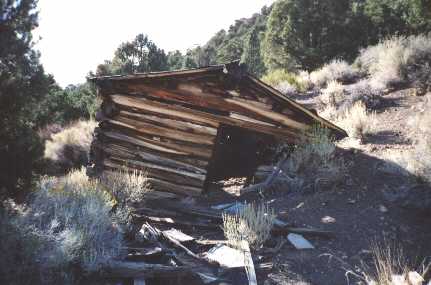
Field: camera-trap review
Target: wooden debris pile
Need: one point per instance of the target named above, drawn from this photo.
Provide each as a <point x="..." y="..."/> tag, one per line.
<point x="177" y="243"/>
<point x="174" y="125"/>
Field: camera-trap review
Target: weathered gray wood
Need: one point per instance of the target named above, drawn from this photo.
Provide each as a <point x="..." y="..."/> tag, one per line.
<point x="128" y="269"/>
<point x="169" y="147"/>
<point x="207" y="118"/>
<point x="166" y="122"/>
<point x="152" y="158"/>
<point x="249" y="265"/>
<point x="179" y="179"/>
<point x="161" y="131"/>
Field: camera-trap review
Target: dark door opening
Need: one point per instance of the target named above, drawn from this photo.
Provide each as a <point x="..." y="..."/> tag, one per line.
<point x="238" y="152"/>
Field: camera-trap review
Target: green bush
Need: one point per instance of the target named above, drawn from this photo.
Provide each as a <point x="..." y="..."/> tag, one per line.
<point x="279" y="76"/>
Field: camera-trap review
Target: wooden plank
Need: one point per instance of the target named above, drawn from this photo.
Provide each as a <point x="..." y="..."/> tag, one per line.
<point x="276" y="117"/>
<point x="129" y="269"/>
<point x="114" y="149"/>
<point x="165" y="122"/>
<point x="214" y="120"/>
<point x="188" y="163"/>
<point x="192" y="97"/>
<point x="167" y="146"/>
<point x="163" y="185"/>
<point x="248" y="262"/>
<point x="155" y="171"/>
<point x="161" y="131"/>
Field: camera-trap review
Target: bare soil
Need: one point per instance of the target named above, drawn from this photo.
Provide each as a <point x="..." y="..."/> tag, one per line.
<point x="362" y="212"/>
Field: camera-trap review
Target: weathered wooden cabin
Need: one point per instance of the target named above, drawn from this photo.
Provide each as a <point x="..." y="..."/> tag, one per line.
<point x="188" y="127"/>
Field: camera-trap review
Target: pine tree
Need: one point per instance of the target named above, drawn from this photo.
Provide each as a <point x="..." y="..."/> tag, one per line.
<point x="252" y="55"/>
<point x="23" y="84"/>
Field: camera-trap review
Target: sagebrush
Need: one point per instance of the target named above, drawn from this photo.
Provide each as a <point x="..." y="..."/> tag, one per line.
<point x="338" y="70"/>
<point x="397" y="60"/>
<point x="69" y="148"/>
<point x="252" y="223"/>
<point x="358" y="121"/>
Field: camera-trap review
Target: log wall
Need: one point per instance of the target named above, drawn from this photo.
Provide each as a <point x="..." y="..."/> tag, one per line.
<point x="168" y="126"/>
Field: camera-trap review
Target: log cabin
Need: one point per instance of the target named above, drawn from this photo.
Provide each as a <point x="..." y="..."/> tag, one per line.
<point x="190" y="127"/>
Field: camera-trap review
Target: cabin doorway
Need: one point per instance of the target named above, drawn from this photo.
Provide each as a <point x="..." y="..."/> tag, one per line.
<point x="238" y="152"/>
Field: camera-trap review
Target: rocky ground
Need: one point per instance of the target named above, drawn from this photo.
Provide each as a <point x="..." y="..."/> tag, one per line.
<point x="368" y="208"/>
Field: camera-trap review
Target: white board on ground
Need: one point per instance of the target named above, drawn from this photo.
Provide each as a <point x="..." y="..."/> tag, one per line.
<point x="299" y="242"/>
<point x="226" y="256"/>
<point x="178" y="235"/>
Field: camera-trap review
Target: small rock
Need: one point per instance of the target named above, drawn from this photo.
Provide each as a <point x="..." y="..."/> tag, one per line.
<point x="328" y="220"/>
<point x="383" y="209"/>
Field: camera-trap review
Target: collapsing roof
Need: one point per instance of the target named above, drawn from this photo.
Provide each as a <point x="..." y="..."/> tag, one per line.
<point x="168" y="123"/>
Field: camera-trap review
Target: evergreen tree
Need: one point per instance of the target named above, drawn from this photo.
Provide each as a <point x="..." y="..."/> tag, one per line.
<point x="307" y="33"/>
<point x="23" y="84"/>
<point x="252" y="56"/>
<point x="189" y="60"/>
<point x="175" y="60"/>
<point x="139" y="55"/>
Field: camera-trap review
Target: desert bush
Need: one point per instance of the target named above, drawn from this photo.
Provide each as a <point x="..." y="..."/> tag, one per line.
<point x="397" y="60"/>
<point x="73" y="214"/>
<point x="251" y="223"/>
<point x="313" y="162"/>
<point x="338" y="70"/>
<point x="280" y="78"/>
<point x="69" y="148"/>
<point x="286" y="88"/>
<point x="392" y="267"/>
<point x="20" y="247"/>
<point x="417" y="160"/>
<point x="65" y="230"/>
<point x="363" y="91"/>
<point x="333" y="94"/>
<point x="358" y="121"/>
<point x="127" y="187"/>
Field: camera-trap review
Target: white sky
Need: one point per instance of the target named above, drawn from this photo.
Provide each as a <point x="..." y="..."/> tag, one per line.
<point x="77" y="35"/>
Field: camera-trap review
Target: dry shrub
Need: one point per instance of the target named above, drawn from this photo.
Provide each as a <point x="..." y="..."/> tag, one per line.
<point x="338" y="70"/>
<point x="251" y="223"/>
<point x="19" y="246"/>
<point x="391" y="267"/>
<point x="365" y="92"/>
<point x="357" y="121"/>
<point x="286" y="88"/>
<point x="72" y="214"/>
<point x="416" y="161"/>
<point x="396" y="60"/>
<point x="333" y="94"/>
<point x="127" y="187"/>
<point x="313" y="162"/>
<point x="70" y="147"/>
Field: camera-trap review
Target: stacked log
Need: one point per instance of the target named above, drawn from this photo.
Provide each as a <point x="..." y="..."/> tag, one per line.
<point x="167" y="123"/>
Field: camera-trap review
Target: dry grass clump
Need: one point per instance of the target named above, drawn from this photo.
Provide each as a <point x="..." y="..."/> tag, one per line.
<point x="313" y="163"/>
<point x="397" y="60"/>
<point x="251" y="223"/>
<point x="69" y="148"/>
<point x="127" y="187"/>
<point x="338" y="70"/>
<point x="333" y="94"/>
<point x="391" y="267"/>
<point x="358" y="121"/>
